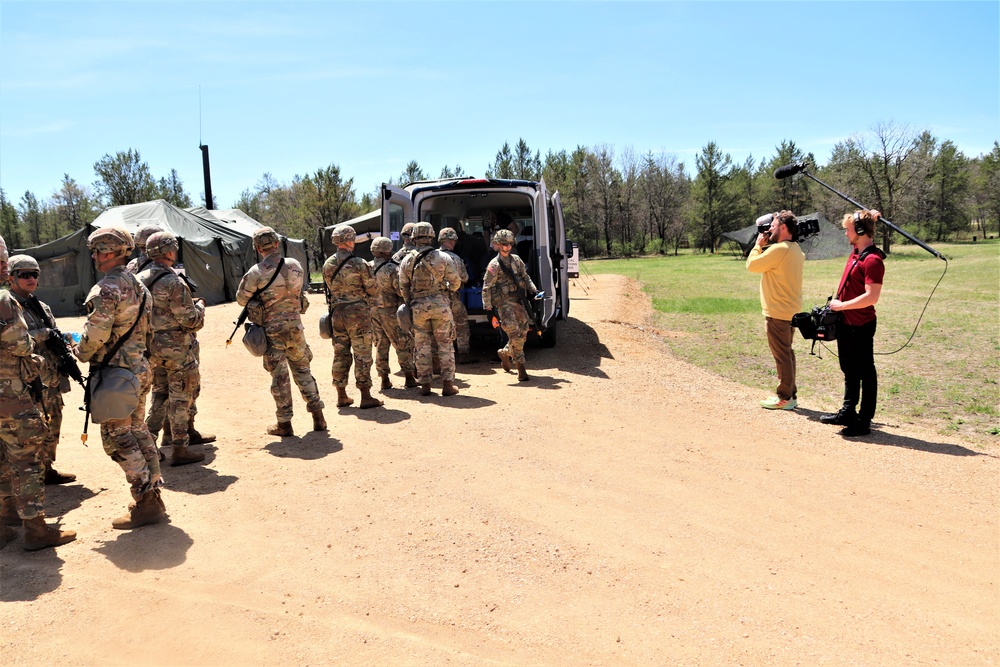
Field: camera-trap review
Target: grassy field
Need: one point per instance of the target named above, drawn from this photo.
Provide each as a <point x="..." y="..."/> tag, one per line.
<point x="946" y="378"/>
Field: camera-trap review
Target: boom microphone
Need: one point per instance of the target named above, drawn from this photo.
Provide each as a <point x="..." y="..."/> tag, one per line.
<point x="789" y="170"/>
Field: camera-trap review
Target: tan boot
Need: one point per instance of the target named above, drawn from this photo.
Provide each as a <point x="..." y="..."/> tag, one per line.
<point x="167" y="438"/>
<point x="8" y="513"/>
<point x="181" y="456"/>
<point x="504" y="359"/>
<point x="6" y="535"/>
<point x="319" y="422"/>
<point x="343" y="400"/>
<point x="53" y="476"/>
<point x="386" y="382"/>
<point x="425" y="389"/>
<point x="38" y="534"/>
<point x="149" y="509"/>
<point x="197" y="438"/>
<point x="367" y="400"/>
<point x="284" y="429"/>
<point x="411" y="381"/>
<point x="522" y="374"/>
<point x="449" y="389"/>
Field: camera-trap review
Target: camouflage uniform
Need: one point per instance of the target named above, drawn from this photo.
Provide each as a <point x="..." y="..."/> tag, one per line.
<point x="284" y="303"/>
<point x="502" y="293"/>
<point x="173" y="350"/>
<point x="22" y="429"/>
<point x="458" y="310"/>
<point x="54" y="385"/>
<point x="350" y="317"/>
<point x="387" y="330"/>
<point x="142" y="261"/>
<point x="112" y="307"/>
<point x="426" y="287"/>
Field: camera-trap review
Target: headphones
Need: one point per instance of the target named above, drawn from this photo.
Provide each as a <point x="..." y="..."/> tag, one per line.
<point x="861" y="225"/>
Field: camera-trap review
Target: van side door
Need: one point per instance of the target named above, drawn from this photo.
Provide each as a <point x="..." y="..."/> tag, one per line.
<point x="544" y="249"/>
<point x="559" y="257"/>
<point x="397" y="210"/>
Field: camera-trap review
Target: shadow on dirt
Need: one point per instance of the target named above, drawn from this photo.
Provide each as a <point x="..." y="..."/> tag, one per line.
<point x="310" y="447"/>
<point x="882" y="438"/>
<point x="196" y="478"/>
<point x="64" y="498"/>
<point x="28" y="575"/>
<point x="160" y="546"/>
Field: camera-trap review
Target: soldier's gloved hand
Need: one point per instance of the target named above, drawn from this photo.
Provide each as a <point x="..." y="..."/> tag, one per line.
<point x="539" y="296"/>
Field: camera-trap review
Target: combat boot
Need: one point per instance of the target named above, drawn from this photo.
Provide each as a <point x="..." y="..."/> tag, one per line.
<point x="38" y="534"/>
<point x="425" y="389"/>
<point x="367" y="400"/>
<point x="448" y="388"/>
<point x="411" y="381"/>
<point x="319" y="422"/>
<point x="196" y="438"/>
<point x="283" y="429"/>
<point x="8" y="513"/>
<point x="504" y="359"/>
<point x="386" y="382"/>
<point x="53" y="476"/>
<point x="181" y="456"/>
<point x="149" y="509"/>
<point x="6" y="535"/>
<point x="522" y="374"/>
<point x="167" y="438"/>
<point x="343" y="400"/>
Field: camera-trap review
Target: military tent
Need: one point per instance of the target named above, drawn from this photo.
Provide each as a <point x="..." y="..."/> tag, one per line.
<point x="236" y="219"/>
<point x="213" y="254"/>
<point x="829" y="243"/>
<point x="367" y="226"/>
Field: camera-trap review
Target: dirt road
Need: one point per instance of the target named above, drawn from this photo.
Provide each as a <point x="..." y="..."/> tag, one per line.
<point x="621" y="508"/>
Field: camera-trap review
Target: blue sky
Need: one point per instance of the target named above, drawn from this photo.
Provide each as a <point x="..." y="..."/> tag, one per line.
<point x="287" y="88"/>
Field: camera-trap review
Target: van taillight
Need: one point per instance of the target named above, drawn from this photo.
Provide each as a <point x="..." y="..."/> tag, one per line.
<point x="474" y="181"/>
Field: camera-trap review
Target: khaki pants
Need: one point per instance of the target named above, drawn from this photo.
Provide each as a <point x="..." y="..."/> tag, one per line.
<point x="779" y="339"/>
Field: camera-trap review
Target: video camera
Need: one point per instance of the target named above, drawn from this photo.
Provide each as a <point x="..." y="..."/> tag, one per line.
<point x="805" y="228"/>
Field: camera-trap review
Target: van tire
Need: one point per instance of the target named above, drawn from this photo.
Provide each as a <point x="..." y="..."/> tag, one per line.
<point x="548" y="337"/>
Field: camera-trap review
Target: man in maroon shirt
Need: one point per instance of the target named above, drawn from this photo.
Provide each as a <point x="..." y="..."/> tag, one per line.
<point x="859" y="290"/>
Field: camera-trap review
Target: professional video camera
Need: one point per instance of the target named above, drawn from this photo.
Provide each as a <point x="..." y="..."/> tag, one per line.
<point x="804" y="229"/>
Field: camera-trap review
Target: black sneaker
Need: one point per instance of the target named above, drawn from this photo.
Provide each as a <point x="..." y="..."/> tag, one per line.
<point x="842" y="417"/>
<point x="856" y="429"/>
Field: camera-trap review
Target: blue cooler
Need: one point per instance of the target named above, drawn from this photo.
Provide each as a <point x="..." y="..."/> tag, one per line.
<point x="472" y="297"/>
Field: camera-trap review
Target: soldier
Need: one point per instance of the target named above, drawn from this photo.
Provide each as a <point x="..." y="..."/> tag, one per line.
<point x="407" y="235"/>
<point x="384" y="305"/>
<point x="142" y="261"/>
<point x="283" y="302"/>
<point x="22" y="431"/>
<point x="118" y="303"/>
<point x="447" y="238"/>
<point x="350" y="285"/>
<point x="176" y="317"/>
<point x="505" y="282"/>
<point x="425" y="279"/>
<point x="24" y="275"/>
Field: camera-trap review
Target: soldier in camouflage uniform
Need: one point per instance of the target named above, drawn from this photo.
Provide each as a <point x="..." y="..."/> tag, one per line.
<point x="283" y="303"/>
<point x="384" y="322"/>
<point x="406" y="234"/>
<point x="447" y="238"/>
<point x="113" y="306"/>
<point x="25" y="273"/>
<point x="176" y="316"/>
<point x="426" y="277"/>
<point x="350" y="285"/>
<point x="22" y="430"/>
<point x="142" y="260"/>
<point x="502" y="292"/>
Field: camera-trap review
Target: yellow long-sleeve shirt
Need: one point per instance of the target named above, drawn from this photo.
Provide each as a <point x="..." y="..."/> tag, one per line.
<point x="780" y="266"/>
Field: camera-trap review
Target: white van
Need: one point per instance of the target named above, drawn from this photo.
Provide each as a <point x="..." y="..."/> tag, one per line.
<point x="475" y="208"/>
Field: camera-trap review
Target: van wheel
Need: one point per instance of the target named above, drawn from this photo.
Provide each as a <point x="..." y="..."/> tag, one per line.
<point x="548" y="337"/>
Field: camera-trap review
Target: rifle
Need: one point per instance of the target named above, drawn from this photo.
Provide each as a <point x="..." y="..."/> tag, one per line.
<point x="245" y="312"/>
<point x="239" y="322"/>
<point x="56" y="344"/>
<point x="530" y="306"/>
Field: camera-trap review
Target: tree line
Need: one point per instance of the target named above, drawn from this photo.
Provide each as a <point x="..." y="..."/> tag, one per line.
<point x="616" y="202"/>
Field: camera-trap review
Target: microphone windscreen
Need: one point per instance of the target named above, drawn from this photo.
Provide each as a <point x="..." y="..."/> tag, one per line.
<point x="789" y="170"/>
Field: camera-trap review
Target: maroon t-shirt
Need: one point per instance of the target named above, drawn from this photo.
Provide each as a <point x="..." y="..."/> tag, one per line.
<point x="868" y="270"/>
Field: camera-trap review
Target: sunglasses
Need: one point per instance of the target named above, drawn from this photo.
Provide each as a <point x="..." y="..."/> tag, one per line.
<point x="27" y="274"/>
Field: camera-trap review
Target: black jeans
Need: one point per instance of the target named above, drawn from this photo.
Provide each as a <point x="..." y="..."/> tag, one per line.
<point x="856" y="349"/>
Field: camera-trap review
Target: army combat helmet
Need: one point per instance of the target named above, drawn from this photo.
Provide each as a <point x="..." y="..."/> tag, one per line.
<point x="264" y="238"/>
<point x="504" y="236"/>
<point x="160" y="243"/>
<point x="115" y="240"/>
<point x="343" y="234"/>
<point x="381" y="247"/>
<point x="424" y="231"/>
<point x="22" y="263"/>
<point x="142" y="236"/>
<point x="447" y="234"/>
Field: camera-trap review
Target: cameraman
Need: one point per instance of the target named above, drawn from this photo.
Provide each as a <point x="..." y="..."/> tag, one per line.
<point x="859" y="290"/>
<point x="778" y="258"/>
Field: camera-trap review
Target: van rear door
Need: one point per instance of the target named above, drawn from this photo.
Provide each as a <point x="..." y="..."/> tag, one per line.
<point x="544" y="249"/>
<point x="397" y="210"/>
<point x="559" y="257"/>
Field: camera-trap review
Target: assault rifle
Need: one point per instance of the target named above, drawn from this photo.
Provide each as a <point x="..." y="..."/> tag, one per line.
<point x="56" y="344"/>
<point x="239" y="322"/>
<point x="531" y="303"/>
